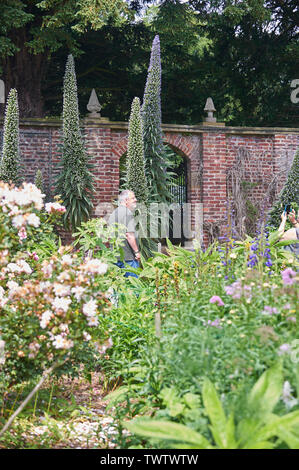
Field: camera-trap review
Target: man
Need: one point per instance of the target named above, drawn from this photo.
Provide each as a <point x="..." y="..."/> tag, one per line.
<point x="292" y="233"/>
<point x="123" y="215"/>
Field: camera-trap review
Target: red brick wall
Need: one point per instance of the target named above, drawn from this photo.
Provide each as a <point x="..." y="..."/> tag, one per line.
<point x="265" y="155"/>
<point x="210" y="152"/>
<point x="214" y="175"/>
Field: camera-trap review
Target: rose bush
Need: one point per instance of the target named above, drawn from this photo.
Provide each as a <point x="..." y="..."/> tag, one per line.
<point x="50" y="310"/>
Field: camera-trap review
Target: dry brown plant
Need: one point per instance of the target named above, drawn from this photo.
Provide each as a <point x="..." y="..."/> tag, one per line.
<point x="253" y="184"/>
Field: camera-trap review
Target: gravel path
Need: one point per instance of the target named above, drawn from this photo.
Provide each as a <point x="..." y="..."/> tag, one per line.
<point x="91" y="425"/>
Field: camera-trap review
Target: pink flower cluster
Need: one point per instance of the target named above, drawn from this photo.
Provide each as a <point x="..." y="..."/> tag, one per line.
<point x="289" y="276"/>
<point x="19" y="205"/>
<point x="236" y="290"/>
<point x="268" y="310"/>
<point x="104" y="346"/>
<point x="12" y="198"/>
<point x="33" y="255"/>
<point x="52" y="207"/>
<point x="215" y="323"/>
<point x="63" y="299"/>
<point x="59" y="305"/>
<point x="216" y="300"/>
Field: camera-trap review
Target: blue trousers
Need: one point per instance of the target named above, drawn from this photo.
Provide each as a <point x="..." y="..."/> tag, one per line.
<point x="133" y="263"/>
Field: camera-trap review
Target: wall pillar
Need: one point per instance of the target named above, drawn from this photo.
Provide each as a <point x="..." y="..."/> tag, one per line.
<point x="105" y="171"/>
<point x="214" y="176"/>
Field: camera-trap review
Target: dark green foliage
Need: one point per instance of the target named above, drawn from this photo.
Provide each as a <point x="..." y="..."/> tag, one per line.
<point x="253" y="58"/>
<point x="32" y="30"/>
<point x="288" y="195"/>
<point x="116" y="81"/>
<point x="238" y="55"/>
<point x="74" y="182"/>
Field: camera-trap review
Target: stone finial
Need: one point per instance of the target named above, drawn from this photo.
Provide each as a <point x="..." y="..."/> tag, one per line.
<point x="210" y="108"/>
<point x="2" y="92"/>
<point x="94" y="106"/>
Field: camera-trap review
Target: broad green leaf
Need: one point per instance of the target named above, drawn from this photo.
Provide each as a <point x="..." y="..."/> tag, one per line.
<point x="230" y="433"/>
<point x="275" y="423"/>
<point x="246" y="432"/>
<point x="261" y="445"/>
<point x="215" y="412"/>
<point x="172" y="401"/>
<point x="167" y="430"/>
<point x="176" y="409"/>
<point x="169" y="395"/>
<point x="181" y="445"/>
<point x="169" y="244"/>
<point x="192" y="400"/>
<point x="266" y="391"/>
<point x="273" y="237"/>
<point x="117" y="396"/>
<point x="274" y="427"/>
<point x="289" y="436"/>
<point x="287" y="242"/>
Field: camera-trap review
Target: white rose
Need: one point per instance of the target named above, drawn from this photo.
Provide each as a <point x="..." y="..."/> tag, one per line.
<point x="33" y="220"/>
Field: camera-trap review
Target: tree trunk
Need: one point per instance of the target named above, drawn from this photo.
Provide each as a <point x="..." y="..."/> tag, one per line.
<point x="25" y="72"/>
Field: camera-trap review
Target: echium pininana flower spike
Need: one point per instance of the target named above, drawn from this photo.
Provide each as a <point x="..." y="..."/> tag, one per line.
<point x="74" y="181"/>
<point x="70" y="114"/>
<point x="38" y="180"/>
<point x="10" y="169"/>
<point x="135" y="177"/>
<point x="156" y="160"/>
<point x="151" y="108"/>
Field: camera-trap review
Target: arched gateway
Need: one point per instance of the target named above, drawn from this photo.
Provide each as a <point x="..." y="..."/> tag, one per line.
<point x="179" y="193"/>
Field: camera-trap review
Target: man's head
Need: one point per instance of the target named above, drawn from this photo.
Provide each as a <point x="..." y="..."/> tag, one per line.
<point x="127" y="198"/>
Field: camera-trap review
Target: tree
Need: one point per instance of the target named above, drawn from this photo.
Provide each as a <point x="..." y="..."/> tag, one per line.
<point x="243" y="54"/>
<point x="74" y="181"/>
<point x="10" y="170"/>
<point x="253" y="59"/>
<point x="113" y="61"/>
<point x="154" y="150"/>
<point x="31" y="30"/>
<point x="288" y="195"/>
<point x="135" y="178"/>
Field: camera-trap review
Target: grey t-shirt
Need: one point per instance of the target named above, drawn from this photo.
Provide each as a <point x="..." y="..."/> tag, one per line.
<point x="294" y="248"/>
<point x="122" y="215"/>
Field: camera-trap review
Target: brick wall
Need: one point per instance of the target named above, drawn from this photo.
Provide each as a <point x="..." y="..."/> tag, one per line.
<point x="210" y="152"/>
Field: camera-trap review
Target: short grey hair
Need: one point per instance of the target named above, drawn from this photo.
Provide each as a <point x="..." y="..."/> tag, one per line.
<point x="124" y="195"/>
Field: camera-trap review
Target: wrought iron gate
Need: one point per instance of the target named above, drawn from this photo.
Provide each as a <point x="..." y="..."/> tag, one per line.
<point x="178" y="189"/>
